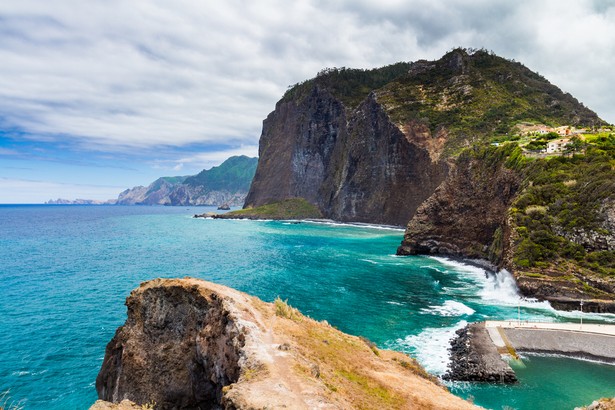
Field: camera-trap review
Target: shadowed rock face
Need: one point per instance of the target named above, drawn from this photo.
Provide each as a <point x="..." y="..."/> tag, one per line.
<point x="462" y="216"/>
<point x="178" y="348"/>
<point x="354" y="165"/>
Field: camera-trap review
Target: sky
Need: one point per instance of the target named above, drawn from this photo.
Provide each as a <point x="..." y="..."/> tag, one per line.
<point x="97" y="96"/>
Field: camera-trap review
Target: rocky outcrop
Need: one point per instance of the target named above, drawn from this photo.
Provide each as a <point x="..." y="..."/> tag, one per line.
<point x="602" y="239"/>
<point x="354" y="165"/>
<point x="166" y="193"/>
<point x="602" y="404"/>
<point x="372" y="146"/>
<point x="466" y="216"/>
<point x="227" y="183"/>
<point x="191" y="344"/>
<point x="474" y="357"/>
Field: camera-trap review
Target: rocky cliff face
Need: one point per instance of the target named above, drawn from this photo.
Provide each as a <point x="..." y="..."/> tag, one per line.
<point x="178" y="194"/>
<point x="225" y="184"/>
<point x="354" y="165"/>
<point x="191" y="344"/>
<point x="466" y="216"/>
<point x="373" y="145"/>
<point x="550" y="223"/>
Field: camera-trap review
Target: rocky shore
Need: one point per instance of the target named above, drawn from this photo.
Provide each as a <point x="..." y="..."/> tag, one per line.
<point x="474" y="357"/>
<point x="190" y="344"/>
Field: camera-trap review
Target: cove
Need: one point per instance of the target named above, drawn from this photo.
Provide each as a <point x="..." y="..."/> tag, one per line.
<point x="66" y="270"/>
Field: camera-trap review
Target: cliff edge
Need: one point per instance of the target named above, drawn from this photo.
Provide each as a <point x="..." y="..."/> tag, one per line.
<point x="188" y="343"/>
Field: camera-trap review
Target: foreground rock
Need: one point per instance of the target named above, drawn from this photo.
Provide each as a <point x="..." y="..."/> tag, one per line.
<point x="474" y="357"/>
<point x="602" y="404"/>
<point x="188" y="343"/>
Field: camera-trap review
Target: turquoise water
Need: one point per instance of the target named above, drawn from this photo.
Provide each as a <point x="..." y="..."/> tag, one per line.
<point x="66" y="270"/>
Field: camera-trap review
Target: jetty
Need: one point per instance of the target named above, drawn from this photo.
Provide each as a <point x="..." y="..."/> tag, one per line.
<point x="481" y="351"/>
<point x="579" y="340"/>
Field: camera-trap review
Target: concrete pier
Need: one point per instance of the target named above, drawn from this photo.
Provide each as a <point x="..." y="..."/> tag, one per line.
<point x="586" y="341"/>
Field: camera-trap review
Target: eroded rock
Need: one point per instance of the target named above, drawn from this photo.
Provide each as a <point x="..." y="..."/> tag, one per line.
<point x="191" y="344"/>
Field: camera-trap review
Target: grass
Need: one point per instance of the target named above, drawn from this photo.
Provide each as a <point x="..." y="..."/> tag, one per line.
<point x="349" y="366"/>
<point x="6" y="403"/>
<point x="293" y="208"/>
<point x="283" y="309"/>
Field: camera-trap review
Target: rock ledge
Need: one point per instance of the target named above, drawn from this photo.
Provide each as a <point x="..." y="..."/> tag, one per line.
<point x="190" y="344"/>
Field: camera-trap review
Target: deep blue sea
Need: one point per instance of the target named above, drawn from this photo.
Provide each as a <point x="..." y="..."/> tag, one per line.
<point x="65" y="272"/>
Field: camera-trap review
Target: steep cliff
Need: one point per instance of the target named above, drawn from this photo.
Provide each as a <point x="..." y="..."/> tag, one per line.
<point x="549" y="222"/>
<point x="188" y="343"/>
<point x="372" y="145"/>
<point x="227" y="183"/>
<point x="356" y="168"/>
<point x="466" y="216"/>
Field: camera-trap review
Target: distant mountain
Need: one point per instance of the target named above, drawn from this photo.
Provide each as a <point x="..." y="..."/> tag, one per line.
<point x="227" y="183"/>
<point x="61" y="201"/>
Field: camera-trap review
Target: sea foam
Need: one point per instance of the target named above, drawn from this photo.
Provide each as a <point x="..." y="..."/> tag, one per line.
<point x="430" y="347"/>
<point x="449" y="308"/>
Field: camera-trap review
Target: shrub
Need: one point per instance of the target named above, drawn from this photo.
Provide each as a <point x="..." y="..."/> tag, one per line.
<point x="283" y="309"/>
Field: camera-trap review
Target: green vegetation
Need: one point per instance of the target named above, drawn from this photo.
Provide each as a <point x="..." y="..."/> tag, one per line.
<point x="412" y="365"/>
<point x="234" y="174"/>
<point x="293" y="208"/>
<point x="477" y="95"/>
<point x="561" y="207"/>
<point x="474" y="95"/>
<point x="349" y="85"/>
<point x="557" y="219"/>
<point x="283" y="309"/>
<point x="371" y="389"/>
<point x="157" y="184"/>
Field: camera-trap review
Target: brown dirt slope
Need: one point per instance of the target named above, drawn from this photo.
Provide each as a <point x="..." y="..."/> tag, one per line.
<point x="188" y="343"/>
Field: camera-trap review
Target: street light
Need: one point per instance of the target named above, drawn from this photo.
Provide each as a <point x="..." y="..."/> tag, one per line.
<point x="581" y="315"/>
<point x="519" y="312"/>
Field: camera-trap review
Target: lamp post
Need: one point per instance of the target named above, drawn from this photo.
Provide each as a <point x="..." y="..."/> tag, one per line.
<point x="519" y="312"/>
<point x="581" y="315"/>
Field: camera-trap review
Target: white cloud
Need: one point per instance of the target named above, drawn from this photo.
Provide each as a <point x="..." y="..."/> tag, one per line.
<point x="205" y="160"/>
<point x="121" y="74"/>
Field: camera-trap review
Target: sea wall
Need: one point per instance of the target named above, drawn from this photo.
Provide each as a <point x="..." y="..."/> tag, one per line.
<point x="567" y="343"/>
<point x="478" y="348"/>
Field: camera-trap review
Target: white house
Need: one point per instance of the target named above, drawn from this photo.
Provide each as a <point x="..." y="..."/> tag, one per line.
<point x="557" y="145"/>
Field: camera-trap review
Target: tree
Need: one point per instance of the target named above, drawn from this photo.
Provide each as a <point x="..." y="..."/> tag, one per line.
<point x="576" y="144"/>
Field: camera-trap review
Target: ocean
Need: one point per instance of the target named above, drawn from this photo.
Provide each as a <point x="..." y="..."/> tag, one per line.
<point x="65" y="272"/>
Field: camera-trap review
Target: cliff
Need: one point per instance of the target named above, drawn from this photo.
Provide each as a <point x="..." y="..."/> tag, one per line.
<point x="188" y="343"/>
<point x="466" y="216"/>
<point x="549" y="222"/>
<point x="61" y="201"/>
<point x="227" y="183"/>
<point x="355" y="166"/>
<point x="373" y="145"/>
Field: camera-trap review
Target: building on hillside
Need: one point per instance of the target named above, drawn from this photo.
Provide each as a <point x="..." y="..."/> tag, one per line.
<point x="557" y="145"/>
